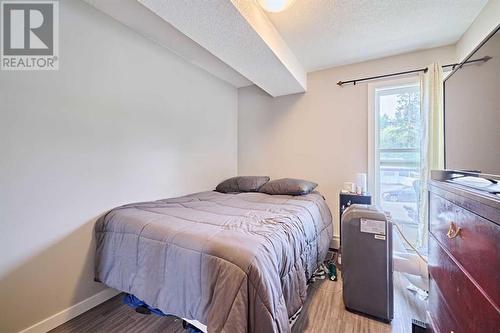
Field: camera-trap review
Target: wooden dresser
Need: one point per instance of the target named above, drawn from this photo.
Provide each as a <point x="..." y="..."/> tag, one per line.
<point x="464" y="259"/>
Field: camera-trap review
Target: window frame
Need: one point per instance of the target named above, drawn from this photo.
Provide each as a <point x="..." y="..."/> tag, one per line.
<point x="373" y="157"/>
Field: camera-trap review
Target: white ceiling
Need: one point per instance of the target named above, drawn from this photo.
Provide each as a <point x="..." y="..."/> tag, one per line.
<point x="326" y="33"/>
<point x="231" y="39"/>
<point x="238" y="42"/>
<point x="239" y="34"/>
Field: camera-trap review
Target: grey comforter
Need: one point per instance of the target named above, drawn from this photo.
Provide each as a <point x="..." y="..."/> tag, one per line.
<point x="235" y="262"/>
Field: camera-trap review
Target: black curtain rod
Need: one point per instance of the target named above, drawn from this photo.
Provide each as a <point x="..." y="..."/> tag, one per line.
<point x="341" y="83"/>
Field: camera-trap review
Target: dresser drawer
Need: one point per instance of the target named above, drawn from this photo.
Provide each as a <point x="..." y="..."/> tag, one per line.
<point x="441" y="315"/>
<point x="476" y="247"/>
<point x="463" y="308"/>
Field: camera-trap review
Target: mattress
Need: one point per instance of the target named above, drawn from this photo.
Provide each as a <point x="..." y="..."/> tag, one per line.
<point x="233" y="262"/>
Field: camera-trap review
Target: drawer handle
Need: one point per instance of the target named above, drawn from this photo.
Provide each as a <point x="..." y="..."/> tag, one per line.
<point x="453" y="231"/>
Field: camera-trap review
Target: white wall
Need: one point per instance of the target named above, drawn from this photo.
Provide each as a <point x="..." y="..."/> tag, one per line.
<point x="487" y="20"/>
<point x="320" y="135"/>
<point x="123" y="120"/>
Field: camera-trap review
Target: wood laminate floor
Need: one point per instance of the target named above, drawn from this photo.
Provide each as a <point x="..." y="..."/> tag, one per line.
<point x="324" y="312"/>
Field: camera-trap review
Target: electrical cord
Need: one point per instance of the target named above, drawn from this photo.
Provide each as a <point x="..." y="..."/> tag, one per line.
<point x="408" y="242"/>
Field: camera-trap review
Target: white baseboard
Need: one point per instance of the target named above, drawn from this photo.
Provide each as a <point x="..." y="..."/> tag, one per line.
<point x="335" y="242"/>
<point x="73" y="311"/>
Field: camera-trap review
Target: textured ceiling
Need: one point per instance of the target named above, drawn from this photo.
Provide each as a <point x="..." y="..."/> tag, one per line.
<point x="241" y="35"/>
<point x="326" y="33"/>
<point x="238" y="42"/>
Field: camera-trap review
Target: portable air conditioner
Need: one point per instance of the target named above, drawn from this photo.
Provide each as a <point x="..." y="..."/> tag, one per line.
<point x="367" y="262"/>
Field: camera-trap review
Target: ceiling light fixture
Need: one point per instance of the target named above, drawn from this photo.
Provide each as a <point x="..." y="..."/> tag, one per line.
<point x="275" y="6"/>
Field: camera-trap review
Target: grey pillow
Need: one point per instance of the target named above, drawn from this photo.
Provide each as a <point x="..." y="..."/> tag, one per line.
<point x="242" y="184"/>
<point x="288" y="186"/>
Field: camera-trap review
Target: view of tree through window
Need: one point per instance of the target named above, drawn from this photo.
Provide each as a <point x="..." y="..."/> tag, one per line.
<point x="398" y="155"/>
<point x="402" y="129"/>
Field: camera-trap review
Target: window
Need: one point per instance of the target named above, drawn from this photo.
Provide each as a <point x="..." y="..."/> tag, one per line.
<point x="394" y="145"/>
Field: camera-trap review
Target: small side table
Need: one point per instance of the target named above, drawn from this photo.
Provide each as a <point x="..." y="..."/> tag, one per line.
<point x="347" y="199"/>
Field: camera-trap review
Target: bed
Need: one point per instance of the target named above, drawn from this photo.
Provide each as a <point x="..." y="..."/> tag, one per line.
<point x="234" y="262"/>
